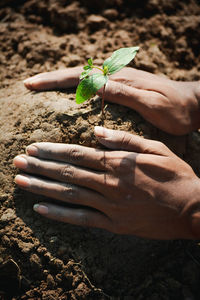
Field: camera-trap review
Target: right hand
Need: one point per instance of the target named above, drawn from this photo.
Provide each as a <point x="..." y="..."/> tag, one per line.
<point x="135" y="186"/>
<point x="173" y="106"/>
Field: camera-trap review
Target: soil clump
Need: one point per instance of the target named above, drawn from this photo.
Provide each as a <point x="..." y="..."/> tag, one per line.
<point x="43" y="259"/>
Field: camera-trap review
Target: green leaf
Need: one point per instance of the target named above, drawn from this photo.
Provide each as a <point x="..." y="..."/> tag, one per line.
<point x="89" y="86"/>
<point x="85" y="73"/>
<point x="86" y="67"/>
<point x="90" y="62"/>
<point x="120" y="59"/>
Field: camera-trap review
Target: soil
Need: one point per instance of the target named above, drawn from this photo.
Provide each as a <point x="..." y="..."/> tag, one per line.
<point x="43" y="259"/>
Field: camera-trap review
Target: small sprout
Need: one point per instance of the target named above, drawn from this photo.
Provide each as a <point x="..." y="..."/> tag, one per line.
<point x="90" y="62"/>
<point x="90" y="84"/>
<point x="105" y="70"/>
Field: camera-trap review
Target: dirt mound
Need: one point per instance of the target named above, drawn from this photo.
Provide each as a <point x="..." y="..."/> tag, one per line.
<point x="42" y="259"/>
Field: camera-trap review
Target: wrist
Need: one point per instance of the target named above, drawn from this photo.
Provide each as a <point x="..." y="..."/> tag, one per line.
<point x="197" y="94"/>
<point x="189" y="97"/>
<point x="195" y="111"/>
<point x="193" y="211"/>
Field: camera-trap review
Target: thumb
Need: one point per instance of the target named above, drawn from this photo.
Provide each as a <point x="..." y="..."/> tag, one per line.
<point x="121" y="140"/>
<point x="60" y="79"/>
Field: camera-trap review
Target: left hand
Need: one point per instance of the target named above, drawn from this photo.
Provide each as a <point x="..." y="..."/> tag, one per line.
<point x="172" y="106"/>
<point x="140" y="187"/>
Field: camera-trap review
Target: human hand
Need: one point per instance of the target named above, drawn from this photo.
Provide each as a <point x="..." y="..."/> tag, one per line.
<point x="172" y="106"/>
<point x="137" y="187"/>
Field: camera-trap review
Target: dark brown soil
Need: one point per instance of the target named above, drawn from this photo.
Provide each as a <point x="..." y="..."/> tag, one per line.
<point x="42" y="259"/>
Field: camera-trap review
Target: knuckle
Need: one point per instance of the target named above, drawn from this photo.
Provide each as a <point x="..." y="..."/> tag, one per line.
<point x="154" y="102"/>
<point x="123" y="164"/>
<point x="70" y="192"/>
<point x="111" y="184"/>
<point x="74" y="154"/>
<point x="67" y="172"/>
<point x="45" y="150"/>
<point x="159" y="145"/>
<point x="103" y="160"/>
<point x="120" y="91"/>
<point x="34" y="164"/>
<point x="106" y="160"/>
<point x="126" y="139"/>
<point x="126" y="164"/>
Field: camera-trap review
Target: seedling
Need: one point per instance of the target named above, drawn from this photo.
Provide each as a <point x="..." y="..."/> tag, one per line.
<point x="90" y="84"/>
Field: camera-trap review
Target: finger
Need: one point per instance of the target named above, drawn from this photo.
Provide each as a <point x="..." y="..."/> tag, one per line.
<point x="121" y="140"/>
<point x="139" y="99"/>
<point x="148" y="103"/>
<point x="65" y="192"/>
<point x="76" y="216"/>
<point x="74" y="154"/>
<point x="123" y="94"/>
<point x="142" y="80"/>
<point x="54" y="80"/>
<point x="61" y="172"/>
<point x="132" y="74"/>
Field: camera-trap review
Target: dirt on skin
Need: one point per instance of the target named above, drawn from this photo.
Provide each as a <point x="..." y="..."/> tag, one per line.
<point x="43" y="259"/>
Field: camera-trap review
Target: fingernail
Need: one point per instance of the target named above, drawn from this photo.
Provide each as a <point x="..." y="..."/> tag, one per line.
<point x="32" y="81"/>
<point x="41" y="209"/>
<point x="32" y="150"/>
<point x="22" y="181"/>
<point x="102" y="132"/>
<point x="27" y="80"/>
<point x="20" y="162"/>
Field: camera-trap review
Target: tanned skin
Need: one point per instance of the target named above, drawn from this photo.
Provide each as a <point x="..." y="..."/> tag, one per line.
<point x="137" y="186"/>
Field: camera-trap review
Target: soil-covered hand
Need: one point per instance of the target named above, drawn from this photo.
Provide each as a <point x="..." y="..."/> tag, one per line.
<point x="136" y="187"/>
<point x="172" y="106"/>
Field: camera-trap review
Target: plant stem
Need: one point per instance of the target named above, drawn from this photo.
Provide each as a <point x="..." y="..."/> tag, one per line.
<point x="94" y="67"/>
<point x="102" y="102"/>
